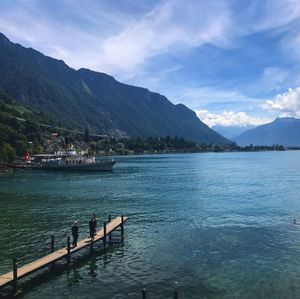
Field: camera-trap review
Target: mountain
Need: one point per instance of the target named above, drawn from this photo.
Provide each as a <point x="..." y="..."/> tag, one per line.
<point x="84" y="98"/>
<point x="284" y="131"/>
<point x="231" y="131"/>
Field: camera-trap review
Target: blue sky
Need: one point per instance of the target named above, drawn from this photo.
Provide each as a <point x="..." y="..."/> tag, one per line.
<point x="234" y="62"/>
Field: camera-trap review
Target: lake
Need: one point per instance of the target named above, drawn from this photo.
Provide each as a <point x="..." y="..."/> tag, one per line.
<point x="213" y="225"/>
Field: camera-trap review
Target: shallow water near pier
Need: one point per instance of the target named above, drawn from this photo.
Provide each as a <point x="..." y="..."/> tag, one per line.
<point x="212" y="225"/>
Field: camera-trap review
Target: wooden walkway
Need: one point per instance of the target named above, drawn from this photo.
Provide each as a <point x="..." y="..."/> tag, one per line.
<point x="17" y="273"/>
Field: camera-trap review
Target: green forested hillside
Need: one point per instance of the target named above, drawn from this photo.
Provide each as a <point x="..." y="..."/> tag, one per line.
<point x="23" y="129"/>
<point x="85" y="98"/>
<point x="20" y="129"/>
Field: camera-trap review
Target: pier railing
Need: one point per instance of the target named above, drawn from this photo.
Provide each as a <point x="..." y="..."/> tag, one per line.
<point x="104" y="235"/>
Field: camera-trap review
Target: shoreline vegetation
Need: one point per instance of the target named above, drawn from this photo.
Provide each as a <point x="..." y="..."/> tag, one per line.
<point x="138" y="146"/>
<point x="23" y="130"/>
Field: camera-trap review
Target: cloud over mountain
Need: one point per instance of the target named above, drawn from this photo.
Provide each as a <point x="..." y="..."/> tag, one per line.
<point x="229" y="118"/>
<point x="222" y="52"/>
<point x="287" y="104"/>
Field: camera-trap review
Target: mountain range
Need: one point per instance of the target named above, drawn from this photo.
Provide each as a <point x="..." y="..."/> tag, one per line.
<point x="84" y="98"/>
<point x="284" y="131"/>
<point x="231" y="131"/>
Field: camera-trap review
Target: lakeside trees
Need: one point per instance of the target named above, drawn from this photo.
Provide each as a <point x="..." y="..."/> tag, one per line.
<point x="123" y="146"/>
<point x="23" y="130"/>
<point x="20" y="130"/>
<point x="7" y="152"/>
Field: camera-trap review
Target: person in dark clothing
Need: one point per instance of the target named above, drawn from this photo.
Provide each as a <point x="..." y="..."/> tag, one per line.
<point x="95" y="224"/>
<point x="92" y="228"/>
<point x="75" y="233"/>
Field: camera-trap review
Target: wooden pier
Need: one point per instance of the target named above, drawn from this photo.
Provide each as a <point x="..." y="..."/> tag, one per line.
<point x="63" y="253"/>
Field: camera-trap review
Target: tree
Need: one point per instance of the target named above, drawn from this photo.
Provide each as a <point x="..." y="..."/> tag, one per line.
<point x="11" y="154"/>
<point x="21" y="148"/>
<point x="7" y="152"/>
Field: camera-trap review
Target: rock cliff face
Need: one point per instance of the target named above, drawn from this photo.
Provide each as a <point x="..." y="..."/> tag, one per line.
<point x="82" y="98"/>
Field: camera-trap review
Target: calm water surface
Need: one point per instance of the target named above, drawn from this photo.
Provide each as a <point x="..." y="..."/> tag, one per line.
<point x="211" y="225"/>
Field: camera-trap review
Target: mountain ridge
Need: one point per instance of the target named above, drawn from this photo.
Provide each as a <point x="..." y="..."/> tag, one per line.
<point x="284" y="131"/>
<point x="85" y="98"/>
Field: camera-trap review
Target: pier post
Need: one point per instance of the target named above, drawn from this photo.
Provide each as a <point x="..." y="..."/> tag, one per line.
<point x="109" y="235"/>
<point x="52" y="243"/>
<point x="104" y="237"/>
<point x="15" y="275"/>
<point x="144" y="294"/>
<point x="122" y="228"/>
<point x="176" y="294"/>
<point x="68" y="251"/>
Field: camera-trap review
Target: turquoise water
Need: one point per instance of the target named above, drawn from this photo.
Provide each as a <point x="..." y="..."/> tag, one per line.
<point x="211" y="225"/>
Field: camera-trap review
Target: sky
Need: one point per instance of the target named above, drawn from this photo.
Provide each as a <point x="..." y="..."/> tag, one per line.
<point x="234" y="62"/>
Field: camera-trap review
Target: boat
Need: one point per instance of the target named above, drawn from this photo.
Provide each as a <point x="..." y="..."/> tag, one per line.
<point x="70" y="160"/>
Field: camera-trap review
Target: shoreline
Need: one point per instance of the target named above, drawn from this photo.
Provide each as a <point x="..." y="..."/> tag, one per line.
<point x="188" y="152"/>
<point x="17" y="165"/>
<point x="6" y="169"/>
<point x="9" y="168"/>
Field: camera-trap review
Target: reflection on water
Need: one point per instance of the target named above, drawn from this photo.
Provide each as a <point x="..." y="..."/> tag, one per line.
<point x="211" y="225"/>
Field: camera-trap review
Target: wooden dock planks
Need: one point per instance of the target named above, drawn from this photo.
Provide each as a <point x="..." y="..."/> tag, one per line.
<point x="27" y="269"/>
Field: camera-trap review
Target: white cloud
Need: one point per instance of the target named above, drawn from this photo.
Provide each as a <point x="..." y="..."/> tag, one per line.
<point x="168" y="28"/>
<point x="287" y="104"/>
<point x="93" y="35"/>
<point x="274" y="78"/>
<point x="269" y="14"/>
<point x="290" y="45"/>
<point x="230" y="118"/>
<point x="98" y="36"/>
<point x="205" y="95"/>
<point x="117" y="47"/>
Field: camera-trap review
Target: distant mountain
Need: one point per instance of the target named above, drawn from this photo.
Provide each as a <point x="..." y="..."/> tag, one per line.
<point x="85" y="98"/>
<point x="284" y="131"/>
<point x="231" y="131"/>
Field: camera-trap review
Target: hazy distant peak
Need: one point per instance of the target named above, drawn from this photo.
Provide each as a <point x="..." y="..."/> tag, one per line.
<point x="232" y="131"/>
<point x="286" y="119"/>
<point x="284" y="131"/>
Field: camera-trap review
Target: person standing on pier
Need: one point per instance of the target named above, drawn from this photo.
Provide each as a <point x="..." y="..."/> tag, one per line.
<point x="95" y="224"/>
<point x="75" y="233"/>
<point x="92" y="227"/>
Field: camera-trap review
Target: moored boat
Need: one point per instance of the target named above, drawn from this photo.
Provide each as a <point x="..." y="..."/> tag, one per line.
<point x="69" y="160"/>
